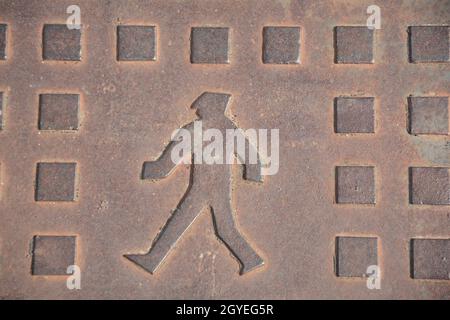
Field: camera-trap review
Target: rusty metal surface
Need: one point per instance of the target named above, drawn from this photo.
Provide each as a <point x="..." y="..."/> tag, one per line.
<point x="364" y="149"/>
<point x="52" y="255"/>
<point x="354" y="254"/>
<point x="430" y="258"/>
<point x="60" y="43"/>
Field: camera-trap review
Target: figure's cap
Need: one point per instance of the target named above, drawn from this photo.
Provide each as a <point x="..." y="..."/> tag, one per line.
<point x="212" y="102"/>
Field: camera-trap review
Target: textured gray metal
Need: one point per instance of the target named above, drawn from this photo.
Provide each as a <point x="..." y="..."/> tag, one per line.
<point x="373" y="170"/>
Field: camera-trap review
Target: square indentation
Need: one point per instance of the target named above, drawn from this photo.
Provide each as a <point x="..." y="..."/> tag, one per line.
<point x="52" y="255"/>
<point x="136" y="43"/>
<point x="354" y="255"/>
<point x="430" y="259"/>
<point x="1" y="110"/>
<point x="355" y="184"/>
<point x="429" y="44"/>
<point x="354" y="115"/>
<point x="429" y="185"/>
<point x="55" y="182"/>
<point x="353" y="44"/>
<point x="3" y="32"/>
<point x="58" y="111"/>
<point x="209" y="45"/>
<point x="428" y="115"/>
<point x="281" y="45"/>
<point x="61" y="43"/>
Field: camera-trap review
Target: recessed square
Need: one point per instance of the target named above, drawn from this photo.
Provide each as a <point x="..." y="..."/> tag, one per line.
<point x="353" y="44"/>
<point x="428" y="115"/>
<point x="52" y="255"/>
<point x="354" y="255"/>
<point x="58" y="111"/>
<point x="354" y="115"/>
<point x="1" y="110"/>
<point x="429" y="44"/>
<point x="61" y="43"/>
<point x="136" y="43"/>
<point x="429" y="185"/>
<point x="209" y="45"/>
<point x="55" y="182"/>
<point x="355" y="185"/>
<point x="3" y="31"/>
<point x="281" y="45"/>
<point x="430" y="259"/>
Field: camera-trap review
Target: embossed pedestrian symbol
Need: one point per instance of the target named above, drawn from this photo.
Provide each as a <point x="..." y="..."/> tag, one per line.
<point x="210" y="186"/>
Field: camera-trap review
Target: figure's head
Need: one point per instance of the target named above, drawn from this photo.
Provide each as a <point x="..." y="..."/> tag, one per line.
<point x="211" y="104"/>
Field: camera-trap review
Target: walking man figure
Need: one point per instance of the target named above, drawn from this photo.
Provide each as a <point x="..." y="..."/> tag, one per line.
<point x="210" y="185"/>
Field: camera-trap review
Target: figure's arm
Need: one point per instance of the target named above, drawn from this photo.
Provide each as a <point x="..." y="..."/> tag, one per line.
<point x="165" y="164"/>
<point x="161" y="167"/>
<point x="252" y="164"/>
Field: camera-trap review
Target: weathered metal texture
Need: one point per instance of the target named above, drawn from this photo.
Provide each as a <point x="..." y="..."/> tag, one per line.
<point x="429" y="43"/>
<point x="353" y="44"/>
<point x="430" y="258"/>
<point x="430" y="186"/>
<point x="281" y="45"/>
<point x="97" y="201"/>
<point x="51" y="255"/>
<point x="354" y="115"/>
<point x="3" y="32"/>
<point x="354" y="254"/>
<point x="61" y="43"/>
<point x="428" y="115"/>
<point x="58" y="111"/>
<point x="209" y="45"/>
<point x="136" y="43"/>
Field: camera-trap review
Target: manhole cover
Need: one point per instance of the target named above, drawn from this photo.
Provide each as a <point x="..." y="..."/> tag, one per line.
<point x="224" y="149"/>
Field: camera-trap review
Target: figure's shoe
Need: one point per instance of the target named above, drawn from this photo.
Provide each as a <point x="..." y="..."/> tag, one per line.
<point x="145" y="261"/>
<point x="255" y="262"/>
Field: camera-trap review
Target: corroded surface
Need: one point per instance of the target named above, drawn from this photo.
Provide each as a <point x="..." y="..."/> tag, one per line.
<point x="89" y="205"/>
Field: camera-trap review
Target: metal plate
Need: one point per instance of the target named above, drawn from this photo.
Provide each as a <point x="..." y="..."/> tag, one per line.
<point x="360" y="181"/>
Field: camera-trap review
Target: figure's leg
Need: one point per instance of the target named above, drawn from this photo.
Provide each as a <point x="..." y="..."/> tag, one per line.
<point x="226" y="230"/>
<point x="182" y="217"/>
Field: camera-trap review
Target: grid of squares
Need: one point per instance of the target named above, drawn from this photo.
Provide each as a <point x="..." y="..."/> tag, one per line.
<point x="427" y="115"/>
<point x="281" y="45"/>
<point x="211" y="45"/>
